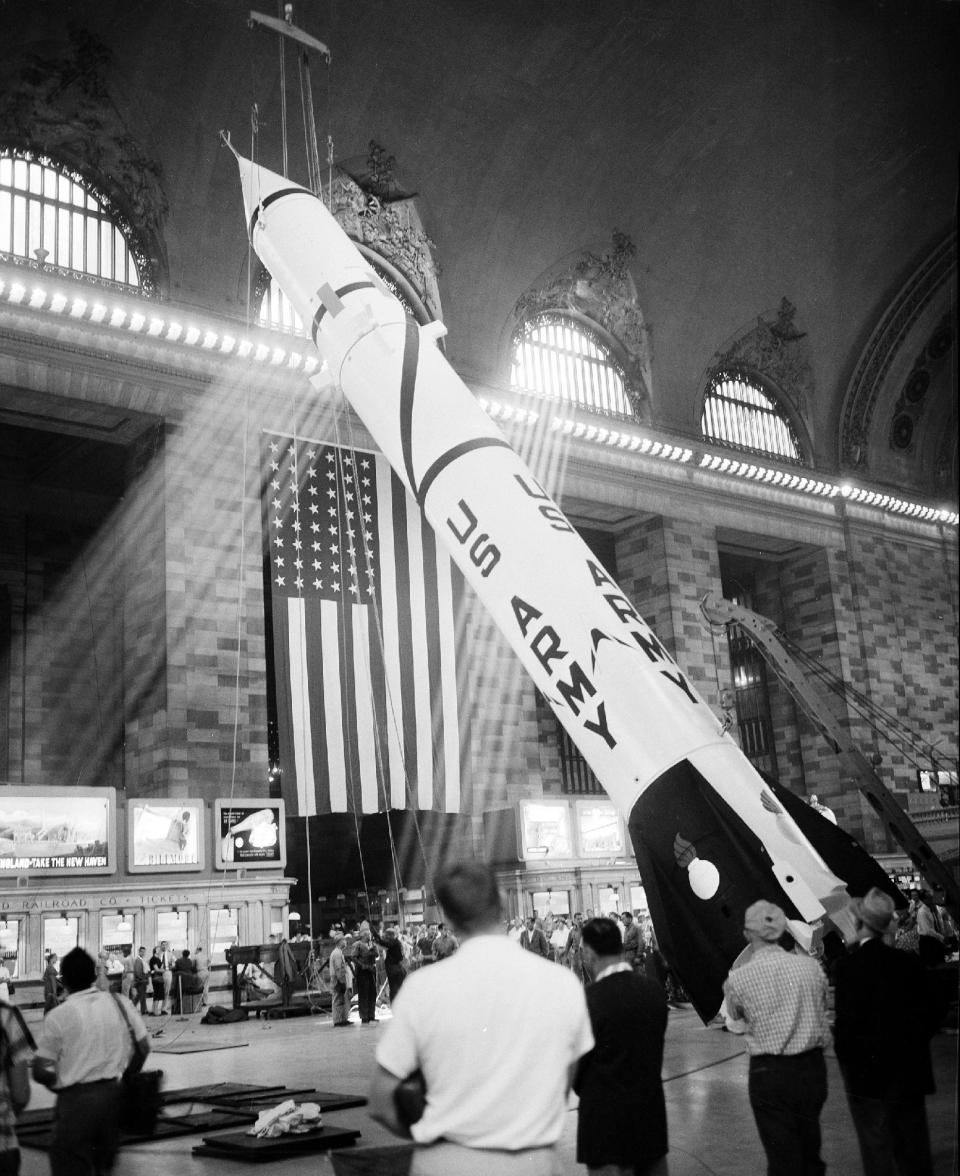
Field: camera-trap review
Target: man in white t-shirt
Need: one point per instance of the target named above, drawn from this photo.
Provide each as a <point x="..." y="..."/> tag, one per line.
<point x="84" y="1047"/>
<point x="496" y="1033"/>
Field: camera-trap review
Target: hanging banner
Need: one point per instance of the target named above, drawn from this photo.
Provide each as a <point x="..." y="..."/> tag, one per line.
<point x="363" y="604"/>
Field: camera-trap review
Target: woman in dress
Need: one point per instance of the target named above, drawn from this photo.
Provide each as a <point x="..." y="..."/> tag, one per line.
<point x="157" y="984"/>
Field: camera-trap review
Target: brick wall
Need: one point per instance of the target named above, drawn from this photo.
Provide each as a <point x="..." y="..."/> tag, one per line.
<point x="64" y="662"/>
<point x="215" y="652"/>
<point x="665" y="567"/>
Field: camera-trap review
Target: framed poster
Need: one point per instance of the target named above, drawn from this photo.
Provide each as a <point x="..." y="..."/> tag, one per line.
<point x="545" y="833"/>
<point x="599" y="829"/>
<point x="249" y="833"/>
<point x="165" y="835"/>
<point x="55" y="831"/>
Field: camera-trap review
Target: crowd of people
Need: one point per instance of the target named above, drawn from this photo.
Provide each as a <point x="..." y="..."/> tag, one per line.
<point x="478" y="1058"/>
<point x="161" y="979"/>
<point x="479" y="1055"/>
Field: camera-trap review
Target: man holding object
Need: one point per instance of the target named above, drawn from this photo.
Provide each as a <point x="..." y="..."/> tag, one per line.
<point x="83" y="1050"/>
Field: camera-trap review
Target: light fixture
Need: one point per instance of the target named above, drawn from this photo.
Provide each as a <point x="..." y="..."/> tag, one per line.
<point x="176" y="911"/>
<point x="124" y="925"/>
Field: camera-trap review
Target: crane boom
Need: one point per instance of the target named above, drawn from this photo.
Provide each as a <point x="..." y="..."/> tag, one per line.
<point x="767" y="638"/>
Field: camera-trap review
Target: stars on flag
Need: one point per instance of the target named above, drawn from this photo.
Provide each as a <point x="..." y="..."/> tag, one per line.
<point x="343" y="568"/>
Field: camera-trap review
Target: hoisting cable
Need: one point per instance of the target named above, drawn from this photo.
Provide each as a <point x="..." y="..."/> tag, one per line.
<point x="888" y="725"/>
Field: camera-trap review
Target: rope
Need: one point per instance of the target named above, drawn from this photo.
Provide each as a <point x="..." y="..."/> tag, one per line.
<point x="315" y="183"/>
<point x="393" y="711"/>
<point x="283" y="98"/>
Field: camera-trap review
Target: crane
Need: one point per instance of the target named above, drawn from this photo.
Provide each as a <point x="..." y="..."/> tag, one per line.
<point x="786" y="660"/>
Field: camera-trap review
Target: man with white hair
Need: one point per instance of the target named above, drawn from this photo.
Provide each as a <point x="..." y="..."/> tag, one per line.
<point x="885" y="1016"/>
<point x="781" y="997"/>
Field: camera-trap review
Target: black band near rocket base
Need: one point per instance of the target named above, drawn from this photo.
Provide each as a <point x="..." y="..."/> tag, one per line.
<point x="408" y="382"/>
<point x="271" y="199"/>
<point x="322" y="310"/>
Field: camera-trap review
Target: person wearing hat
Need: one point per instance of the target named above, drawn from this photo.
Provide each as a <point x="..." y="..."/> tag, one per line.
<point x="886" y="1014"/>
<point x="781" y="998"/>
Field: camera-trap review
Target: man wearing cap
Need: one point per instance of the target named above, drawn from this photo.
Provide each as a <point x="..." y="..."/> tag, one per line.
<point x="781" y="997"/>
<point x="885" y="1017"/>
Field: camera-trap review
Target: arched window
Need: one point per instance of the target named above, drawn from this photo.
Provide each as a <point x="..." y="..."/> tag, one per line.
<point x="739" y="414"/>
<point x="277" y="312"/>
<point x="50" y="215"/>
<point x="559" y="358"/>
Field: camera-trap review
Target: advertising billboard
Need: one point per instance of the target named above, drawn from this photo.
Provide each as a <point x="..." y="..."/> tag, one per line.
<point x="165" y="834"/>
<point x="51" y="831"/>
<point x="545" y="832"/>
<point x="249" y="833"/>
<point x="599" y="829"/>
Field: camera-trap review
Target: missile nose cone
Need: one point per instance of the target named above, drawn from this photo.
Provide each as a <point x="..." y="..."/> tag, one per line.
<point x="259" y="186"/>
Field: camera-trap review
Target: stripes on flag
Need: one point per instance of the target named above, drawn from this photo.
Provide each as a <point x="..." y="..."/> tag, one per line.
<point x="363" y="606"/>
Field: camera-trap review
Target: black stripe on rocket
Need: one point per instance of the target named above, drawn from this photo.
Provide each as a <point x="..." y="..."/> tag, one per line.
<point x="408" y="388"/>
<point x="272" y="199"/>
<point x="331" y="302"/>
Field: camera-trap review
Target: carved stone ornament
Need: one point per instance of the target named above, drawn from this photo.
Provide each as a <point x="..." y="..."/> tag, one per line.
<point x="389" y="225"/>
<point x="776" y="351"/>
<point x="600" y="288"/>
<point x="55" y="107"/>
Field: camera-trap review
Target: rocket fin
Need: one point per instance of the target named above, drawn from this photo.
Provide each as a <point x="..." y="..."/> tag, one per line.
<point x="701" y="867"/>
<point x="844" y="855"/>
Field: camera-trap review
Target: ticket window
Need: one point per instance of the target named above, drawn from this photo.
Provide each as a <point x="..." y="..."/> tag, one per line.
<point x="172" y="927"/>
<point x="60" y="934"/>
<point x="117" y="933"/>
<point x="551" y="902"/>
<point x="608" y="900"/>
<point x="638" y="900"/>
<point x="224" y="933"/>
<point x="10" y="946"/>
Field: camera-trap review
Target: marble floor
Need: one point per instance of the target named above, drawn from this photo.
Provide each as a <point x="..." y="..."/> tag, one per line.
<point x="705" y="1080"/>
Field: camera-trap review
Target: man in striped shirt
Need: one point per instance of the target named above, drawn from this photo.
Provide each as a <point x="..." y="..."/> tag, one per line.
<point x="781" y="996"/>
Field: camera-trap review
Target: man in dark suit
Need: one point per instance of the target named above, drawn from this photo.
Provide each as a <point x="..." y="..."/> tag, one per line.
<point x="622" y="1124"/>
<point x="885" y="1016"/>
<point x="533" y="939"/>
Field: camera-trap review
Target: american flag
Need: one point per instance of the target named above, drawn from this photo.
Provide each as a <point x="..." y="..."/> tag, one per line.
<point x="363" y="607"/>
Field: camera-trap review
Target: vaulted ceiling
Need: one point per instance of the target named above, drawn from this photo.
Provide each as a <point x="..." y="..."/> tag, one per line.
<point x="752" y="152"/>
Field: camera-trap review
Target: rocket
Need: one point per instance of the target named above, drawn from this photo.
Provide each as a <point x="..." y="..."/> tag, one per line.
<point x="709" y="834"/>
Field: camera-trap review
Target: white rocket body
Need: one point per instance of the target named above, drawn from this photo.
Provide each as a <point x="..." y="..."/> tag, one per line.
<point x="625" y="703"/>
